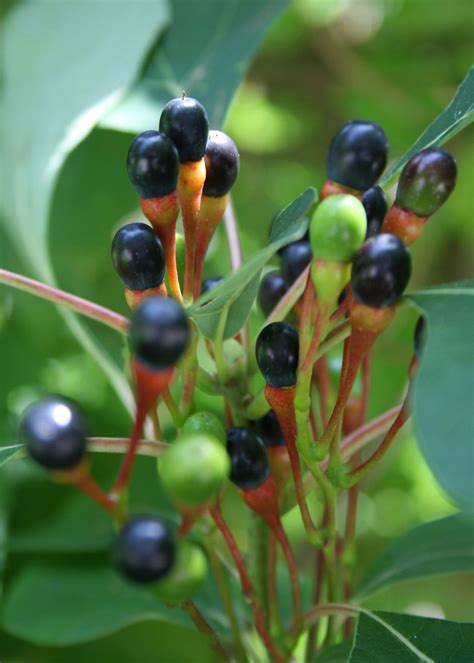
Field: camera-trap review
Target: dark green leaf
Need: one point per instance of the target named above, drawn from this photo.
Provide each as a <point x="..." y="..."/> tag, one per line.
<point x="444" y="385"/>
<point x="10" y="453"/>
<point x="457" y="115"/>
<point x="235" y="295"/>
<point x="385" y="637"/>
<point x="335" y="654"/>
<point x="436" y="548"/>
<point x="205" y="52"/>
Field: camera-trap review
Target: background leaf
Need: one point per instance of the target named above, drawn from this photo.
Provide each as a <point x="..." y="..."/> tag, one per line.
<point x="457" y="115"/>
<point x="10" y="453"/>
<point x="442" y="399"/>
<point x="234" y="296"/>
<point x="436" y="548"/>
<point x="429" y="640"/>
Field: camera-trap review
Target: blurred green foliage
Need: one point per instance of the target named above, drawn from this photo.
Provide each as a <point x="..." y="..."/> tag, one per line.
<point x="397" y="62"/>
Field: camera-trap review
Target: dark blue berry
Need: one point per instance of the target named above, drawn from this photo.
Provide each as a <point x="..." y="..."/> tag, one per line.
<point x="153" y="164"/>
<point x="54" y="431"/>
<point x="420" y="336"/>
<point x="248" y="458"/>
<point x="357" y="155"/>
<point x="138" y="256"/>
<point x="272" y="288"/>
<point x="144" y="549"/>
<point x="207" y="284"/>
<point x="375" y="203"/>
<point x="427" y="181"/>
<point x="277" y="352"/>
<point x="294" y="260"/>
<point x="380" y="271"/>
<point x="222" y="164"/>
<point x="185" y="122"/>
<point x="159" y="332"/>
<point x="269" y="430"/>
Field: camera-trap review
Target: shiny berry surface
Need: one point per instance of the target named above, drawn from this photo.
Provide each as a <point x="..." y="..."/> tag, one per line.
<point x="272" y="288"/>
<point x="248" y="458"/>
<point x="54" y="431"/>
<point x="185" y="122"/>
<point x="159" y="332"/>
<point x="153" y="164"/>
<point x="294" y="260"/>
<point x="375" y="204"/>
<point x="144" y="550"/>
<point x="338" y="228"/>
<point x="277" y="352"/>
<point x="222" y="164"/>
<point x="138" y="258"/>
<point x="207" y="284"/>
<point x="381" y="271"/>
<point x="427" y="181"/>
<point x="357" y="155"/>
<point x="268" y="428"/>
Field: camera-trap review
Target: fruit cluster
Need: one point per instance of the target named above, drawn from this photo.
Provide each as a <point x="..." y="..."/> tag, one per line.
<point x="353" y="265"/>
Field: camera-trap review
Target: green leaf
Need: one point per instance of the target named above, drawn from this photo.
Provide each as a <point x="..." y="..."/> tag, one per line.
<point x="234" y="296"/>
<point x="444" y="384"/>
<point x="457" y="115"/>
<point x="10" y="453"/>
<point x="205" y="52"/>
<point x="335" y="654"/>
<point x="439" y="547"/>
<point x="386" y="637"/>
<point x="68" y="603"/>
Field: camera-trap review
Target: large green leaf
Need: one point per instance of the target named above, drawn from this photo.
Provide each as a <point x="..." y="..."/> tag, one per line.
<point x="444" y="385"/>
<point x="205" y="52"/>
<point x="234" y="296"/>
<point x="386" y="637"/>
<point x="440" y="547"/>
<point x="457" y="115"/>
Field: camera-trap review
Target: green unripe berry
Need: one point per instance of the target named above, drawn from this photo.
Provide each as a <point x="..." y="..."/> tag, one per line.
<point x="338" y="228"/>
<point x="204" y="423"/>
<point x="186" y="575"/>
<point x="193" y="469"/>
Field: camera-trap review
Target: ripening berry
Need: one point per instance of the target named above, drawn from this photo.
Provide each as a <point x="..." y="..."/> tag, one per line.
<point x="294" y="259"/>
<point x="138" y="258"/>
<point x="277" y="352"/>
<point x="272" y="288"/>
<point x="222" y="164"/>
<point x="268" y="428"/>
<point x="248" y="458"/>
<point x="338" y="228"/>
<point x="153" y="164"/>
<point x="185" y="122"/>
<point x="375" y="204"/>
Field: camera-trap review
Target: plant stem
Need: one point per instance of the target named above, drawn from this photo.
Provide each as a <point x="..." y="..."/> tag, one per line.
<point x="234" y="248"/>
<point x="191" y="609"/>
<point x="258" y="554"/>
<point x="119" y="445"/>
<point x="189" y="372"/>
<point x="173" y="409"/>
<point x="85" y="307"/>
<point x="273" y="607"/>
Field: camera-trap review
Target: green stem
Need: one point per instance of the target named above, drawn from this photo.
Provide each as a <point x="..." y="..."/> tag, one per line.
<point x="258" y="555"/>
<point x="175" y="414"/>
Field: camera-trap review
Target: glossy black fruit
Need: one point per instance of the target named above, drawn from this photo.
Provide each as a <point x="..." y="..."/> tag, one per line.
<point x="144" y="549"/>
<point x="248" y="458"/>
<point x="138" y="256"/>
<point x="375" y="203"/>
<point x="269" y="430"/>
<point x="294" y="260"/>
<point x="272" y="288"/>
<point x="54" y="431"/>
<point x="419" y="338"/>
<point x="357" y="155"/>
<point x="222" y="164"/>
<point x="381" y="271"/>
<point x="277" y="352"/>
<point x="427" y="181"/>
<point x="159" y="332"/>
<point x="153" y="164"/>
<point x="185" y="122"/>
<point x="207" y="284"/>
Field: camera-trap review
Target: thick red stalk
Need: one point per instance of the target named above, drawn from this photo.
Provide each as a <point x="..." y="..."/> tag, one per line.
<point x="191" y="609"/>
<point x="331" y="188"/>
<point x="192" y="176"/>
<point x="210" y="213"/>
<point x="406" y="225"/>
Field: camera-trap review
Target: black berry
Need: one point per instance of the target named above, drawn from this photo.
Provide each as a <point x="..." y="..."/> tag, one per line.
<point x="138" y="256"/>
<point x="144" y="549"/>
<point x="159" y="332"/>
<point x="54" y="432"/>
<point x="427" y="181"/>
<point x="419" y="336"/>
<point x="207" y="284"/>
<point x="222" y="164"/>
<point x="277" y="352"/>
<point x="248" y="458"/>
<point x="380" y="271"/>
<point x="269" y="430"/>
<point x="272" y="288"/>
<point x="185" y="122"/>
<point x="294" y="259"/>
<point x="357" y="155"/>
<point x="375" y="204"/>
<point x="153" y="164"/>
